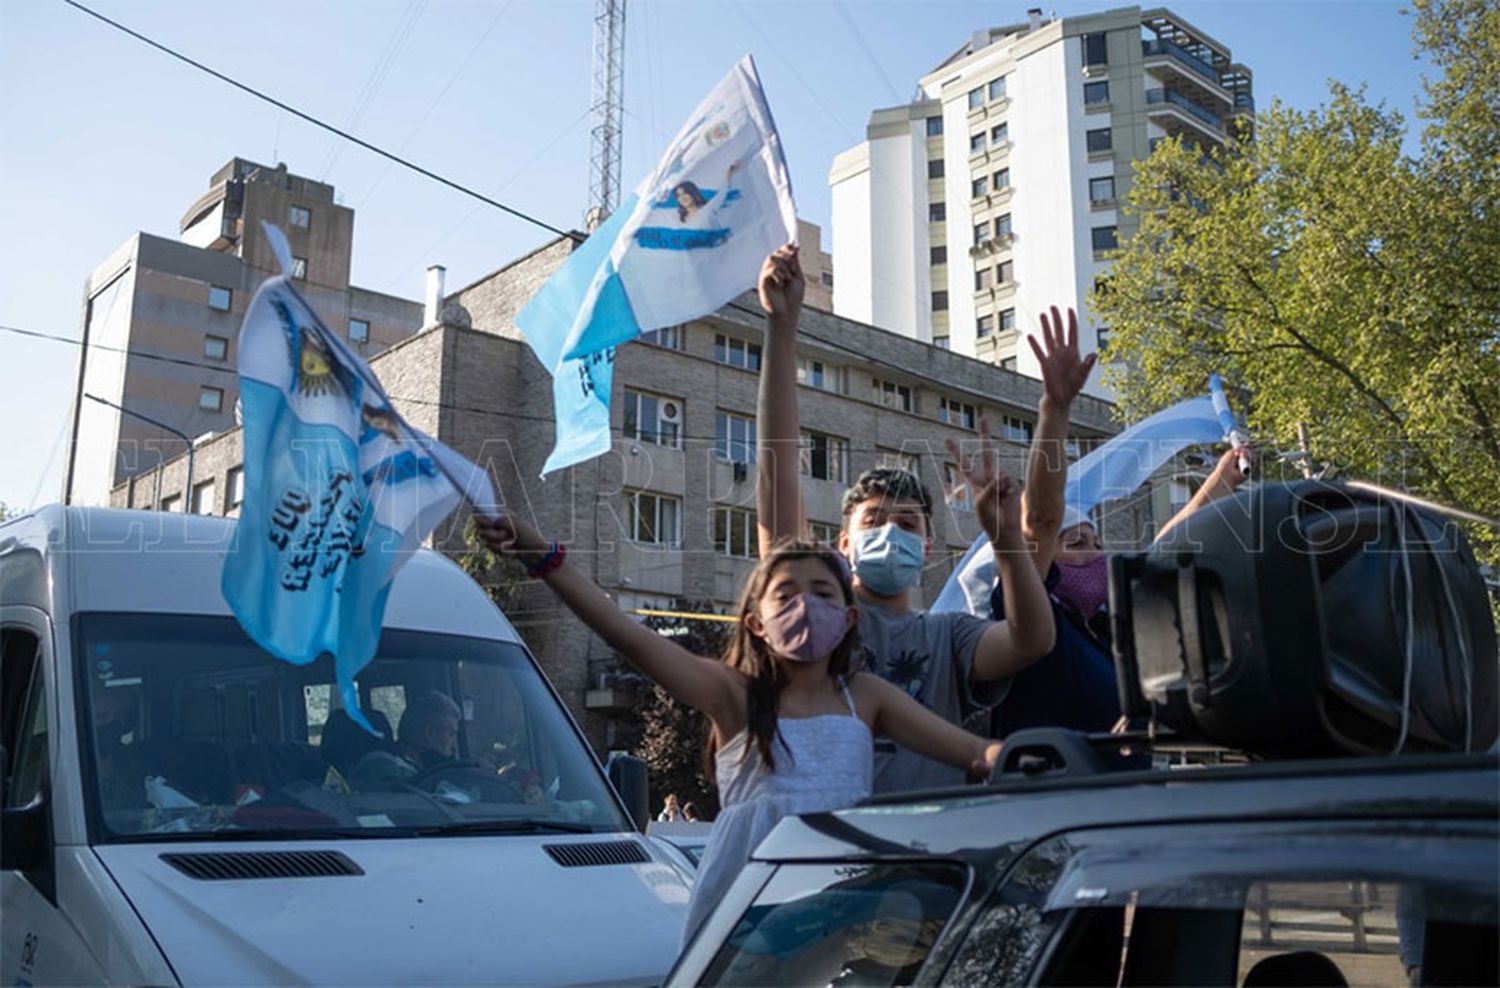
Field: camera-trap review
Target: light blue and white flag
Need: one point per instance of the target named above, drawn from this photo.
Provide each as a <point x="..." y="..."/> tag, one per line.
<point x="692" y="237"/>
<point x="1114" y="470"/>
<point x="338" y="489"/>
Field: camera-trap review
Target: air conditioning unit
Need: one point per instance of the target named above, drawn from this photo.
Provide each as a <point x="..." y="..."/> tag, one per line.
<point x="670" y="412"/>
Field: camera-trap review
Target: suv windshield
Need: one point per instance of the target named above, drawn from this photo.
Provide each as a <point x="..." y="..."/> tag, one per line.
<point x="192" y="729"/>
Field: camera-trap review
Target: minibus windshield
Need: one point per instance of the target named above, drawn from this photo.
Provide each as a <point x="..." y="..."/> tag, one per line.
<point x="191" y="730"/>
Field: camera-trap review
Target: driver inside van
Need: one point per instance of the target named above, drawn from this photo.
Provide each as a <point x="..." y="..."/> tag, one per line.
<point x="426" y="737"/>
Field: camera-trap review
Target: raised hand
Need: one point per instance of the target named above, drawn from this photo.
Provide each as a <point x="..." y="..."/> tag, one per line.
<point x="508" y="535"/>
<point x="1063" y="372"/>
<point x="982" y="766"/>
<point x="781" y="285"/>
<point x="997" y="497"/>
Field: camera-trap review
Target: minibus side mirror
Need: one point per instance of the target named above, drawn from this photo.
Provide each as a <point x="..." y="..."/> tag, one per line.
<point x="24" y="844"/>
<point x="628" y="775"/>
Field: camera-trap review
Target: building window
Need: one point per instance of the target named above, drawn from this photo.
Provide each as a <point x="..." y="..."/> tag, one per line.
<point x="976" y="143"/>
<point x="1099" y="140"/>
<point x="997" y="88"/>
<point x="1102" y="189"/>
<point x="939" y="301"/>
<point x="1000" y="180"/>
<point x="824" y="457"/>
<point x="981" y="233"/>
<point x="1104" y="239"/>
<point x="220" y="298"/>
<point x="300" y="216"/>
<point x="824" y="532"/>
<point x="1005" y="273"/>
<point x="999" y="134"/>
<point x="735" y="532"/>
<point x="976" y="98"/>
<point x="1095" y="93"/>
<point x="236" y="489"/>
<point x="957" y="413"/>
<point x="979" y="187"/>
<point x="211" y="399"/>
<point x="934" y="126"/>
<point x="1007" y="320"/>
<point x="1009" y="363"/>
<point x="1101" y="336"/>
<point x="359" y="331"/>
<point x="937" y="212"/>
<point x="939" y="255"/>
<point x="941" y="342"/>
<point x="172" y="502"/>
<point x="1017" y="430"/>
<point x="299" y="268"/>
<point x="653" y="419"/>
<point x="215" y="347"/>
<point x="653" y="519"/>
<point x="1094" y="49"/>
<point x="984" y="278"/>
<point x="736" y="352"/>
<point x="203" y="498"/>
<point x="817" y="374"/>
<point x="935" y="168"/>
<point x="668" y="337"/>
<point x="827" y="278"/>
<point x="1002" y="225"/>
<point x="889" y="459"/>
<point x="984" y="325"/>
<point x="894" y="395"/>
<point x="734" y="438"/>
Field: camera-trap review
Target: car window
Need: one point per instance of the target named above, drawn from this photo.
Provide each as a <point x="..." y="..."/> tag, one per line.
<point x="1291" y="904"/>
<point x="869" y="925"/>
<point x="192" y="728"/>
<point x="29" y="761"/>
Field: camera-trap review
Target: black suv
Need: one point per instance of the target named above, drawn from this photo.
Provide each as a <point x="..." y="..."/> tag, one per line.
<point x="1351" y="871"/>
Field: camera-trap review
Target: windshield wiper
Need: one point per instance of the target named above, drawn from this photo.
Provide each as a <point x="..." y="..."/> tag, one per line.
<point x="528" y="826"/>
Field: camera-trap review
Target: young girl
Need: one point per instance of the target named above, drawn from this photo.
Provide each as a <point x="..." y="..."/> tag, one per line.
<point x="792" y="719"/>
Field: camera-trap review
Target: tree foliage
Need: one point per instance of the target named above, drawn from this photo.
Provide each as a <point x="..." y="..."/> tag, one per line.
<point x="673" y="734"/>
<point x="1334" y="280"/>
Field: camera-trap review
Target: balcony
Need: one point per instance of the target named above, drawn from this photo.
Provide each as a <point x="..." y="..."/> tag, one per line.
<point x="1168" y="99"/>
<point x="1184" y="57"/>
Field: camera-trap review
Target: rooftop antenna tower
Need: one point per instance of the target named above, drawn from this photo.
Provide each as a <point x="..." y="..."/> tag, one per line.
<point x="606" y="108"/>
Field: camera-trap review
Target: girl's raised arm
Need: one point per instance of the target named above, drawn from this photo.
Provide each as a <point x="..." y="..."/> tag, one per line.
<point x="707" y="685"/>
<point x="913" y="726"/>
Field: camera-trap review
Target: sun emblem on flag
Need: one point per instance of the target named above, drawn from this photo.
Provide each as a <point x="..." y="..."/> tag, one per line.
<point x="316" y="375"/>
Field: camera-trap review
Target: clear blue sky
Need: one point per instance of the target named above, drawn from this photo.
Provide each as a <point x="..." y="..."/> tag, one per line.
<point x="101" y="136"/>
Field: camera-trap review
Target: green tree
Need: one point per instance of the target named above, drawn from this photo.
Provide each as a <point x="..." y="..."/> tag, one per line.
<point x="1334" y="281"/>
<point x="673" y="735"/>
<point x="502" y="577"/>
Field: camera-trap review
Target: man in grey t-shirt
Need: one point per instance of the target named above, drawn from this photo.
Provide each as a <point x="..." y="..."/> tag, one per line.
<point x="931" y="657"/>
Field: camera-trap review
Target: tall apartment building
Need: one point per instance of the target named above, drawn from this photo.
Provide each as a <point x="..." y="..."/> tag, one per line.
<point x="161" y="318"/>
<point x="667" y="518"/>
<point x="996" y="193"/>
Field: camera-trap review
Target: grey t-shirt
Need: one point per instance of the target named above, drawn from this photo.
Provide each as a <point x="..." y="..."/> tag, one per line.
<point x="929" y="656"/>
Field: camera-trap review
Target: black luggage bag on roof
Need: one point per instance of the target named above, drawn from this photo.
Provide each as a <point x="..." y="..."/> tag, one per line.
<point x="1307" y="620"/>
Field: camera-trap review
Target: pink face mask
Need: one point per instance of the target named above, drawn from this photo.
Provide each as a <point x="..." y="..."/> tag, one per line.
<point x="1083" y="586"/>
<point x="807" y="629"/>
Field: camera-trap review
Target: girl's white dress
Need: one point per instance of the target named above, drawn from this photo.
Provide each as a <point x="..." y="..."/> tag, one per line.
<point x="822" y="763"/>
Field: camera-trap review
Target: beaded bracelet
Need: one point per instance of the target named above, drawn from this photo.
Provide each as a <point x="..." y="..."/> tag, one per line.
<point x="554" y="558"/>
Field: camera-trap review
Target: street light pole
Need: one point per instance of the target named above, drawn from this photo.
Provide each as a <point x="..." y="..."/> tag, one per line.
<point x="187" y="490"/>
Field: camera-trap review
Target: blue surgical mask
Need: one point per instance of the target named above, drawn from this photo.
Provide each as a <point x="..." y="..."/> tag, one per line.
<point x="888" y="559"/>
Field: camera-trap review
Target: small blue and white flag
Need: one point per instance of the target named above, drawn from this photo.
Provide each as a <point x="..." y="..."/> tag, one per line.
<point x="338" y="488"/>
<point x="692" y="237"/>
<point x="1114" y="470"/>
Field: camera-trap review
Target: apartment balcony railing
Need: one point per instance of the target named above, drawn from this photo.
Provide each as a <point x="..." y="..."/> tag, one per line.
<point x="1178" y="100"/>
<point x="1181" y="54"/>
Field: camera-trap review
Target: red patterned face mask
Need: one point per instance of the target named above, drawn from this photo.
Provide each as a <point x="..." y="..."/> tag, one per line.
<point x="1083" y="586"/>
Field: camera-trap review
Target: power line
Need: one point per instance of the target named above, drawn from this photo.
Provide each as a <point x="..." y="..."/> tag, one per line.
<point x="251" y="90"/>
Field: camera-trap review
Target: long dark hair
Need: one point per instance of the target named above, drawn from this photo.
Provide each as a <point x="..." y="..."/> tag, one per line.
<point x="748" y="652"/>
<point x="694" y="193"/>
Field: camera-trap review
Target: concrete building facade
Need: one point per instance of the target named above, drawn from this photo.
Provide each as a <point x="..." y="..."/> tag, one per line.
<point x="996" y="193"/>
<point x="667" y="519"/>
<point x="161" y="319"/>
